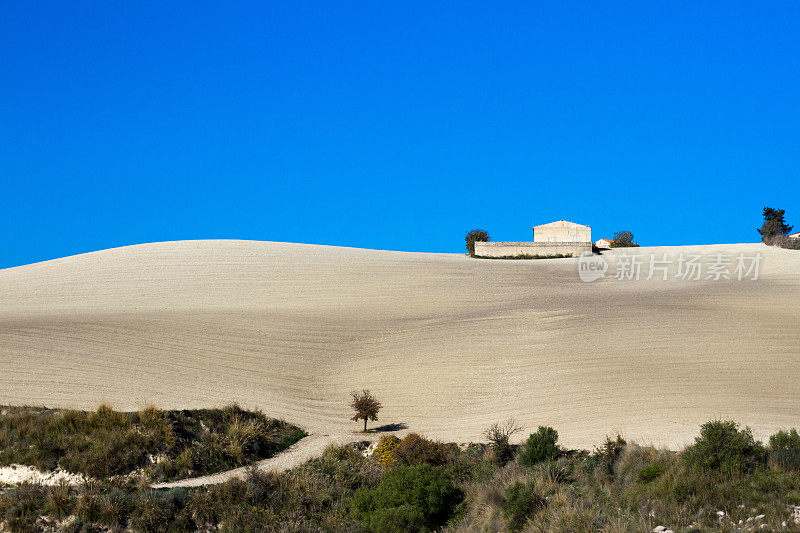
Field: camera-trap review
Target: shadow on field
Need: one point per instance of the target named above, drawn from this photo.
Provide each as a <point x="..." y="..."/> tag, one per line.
<point x="389" y="428"/>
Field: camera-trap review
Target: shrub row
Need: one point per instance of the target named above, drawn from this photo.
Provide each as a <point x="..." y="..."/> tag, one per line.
<point x="426" y="485"/>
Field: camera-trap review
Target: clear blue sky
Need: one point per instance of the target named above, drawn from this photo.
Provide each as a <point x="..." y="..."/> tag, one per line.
<point x="400" y="127"/>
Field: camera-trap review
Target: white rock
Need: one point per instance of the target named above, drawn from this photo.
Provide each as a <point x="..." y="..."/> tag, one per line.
<point x="16" y="474"/>
<point x="370" y="449"/>
<point x="659" y="529"/>
<point x="668" y="531"/>
<point x="760" y="517"/>
<point x="720" y="513"/>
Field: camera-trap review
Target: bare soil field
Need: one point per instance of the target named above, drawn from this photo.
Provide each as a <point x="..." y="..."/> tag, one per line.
<point x="449" y="344"/>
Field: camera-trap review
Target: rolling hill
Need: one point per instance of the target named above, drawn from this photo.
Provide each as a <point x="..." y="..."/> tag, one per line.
<point x="448" y="343"/>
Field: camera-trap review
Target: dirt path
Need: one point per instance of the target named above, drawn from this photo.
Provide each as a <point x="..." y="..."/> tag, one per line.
<point x="295" y="455"/>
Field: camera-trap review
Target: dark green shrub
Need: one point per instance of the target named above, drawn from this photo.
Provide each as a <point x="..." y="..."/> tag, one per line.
<point x="540" y="446"/>
<point x="521" y="501"/>
<point x="476" y="235"/>
<point x="722" y="447"/>
<point x="408" y="498"/>
<point x="650" y="473"/>
<point x="607" y="454"/>
<point x="774" y="224"/>
<point x="784" y="449"/>
<point x="406" y="517"/>
<point x="682" y="490"/>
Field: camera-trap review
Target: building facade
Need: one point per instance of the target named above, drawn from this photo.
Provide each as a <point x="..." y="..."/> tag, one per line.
<point x="562" y="231"/>
<point x="556" y="238"/>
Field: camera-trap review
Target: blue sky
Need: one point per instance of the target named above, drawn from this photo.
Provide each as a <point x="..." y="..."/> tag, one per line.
<point x="395" y="127"/>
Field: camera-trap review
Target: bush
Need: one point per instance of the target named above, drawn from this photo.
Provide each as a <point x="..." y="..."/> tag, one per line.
<point x="607" y="454"/>
<point x="623" y="239"/>
<point x="499" y="435"/>
<point x="21" y="505"/>
<point x="59" y="499"/>
<point x="682" y="490"/>
<point x="384" y="451"/>
<point x="476" y="235"/>
<point x="520" y="502"/>
<point x="408" y="498"/>
<point x="784" y="449"/>
<point x="783" y="241"/>
<point x="114" y="508"/>
<point x="248" y="518"/>
<point x="650" y="473"/>
<point x="722" y="447"/>
<point x="558" y="471"/>
<point x="540" y="446"/>
<point x="154" y="511"/>
<point x="415" y="450"/>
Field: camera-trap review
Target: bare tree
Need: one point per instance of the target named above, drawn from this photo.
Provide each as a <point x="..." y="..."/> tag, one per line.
<point x="365" y="405"/>
<point x="499" y="434"/>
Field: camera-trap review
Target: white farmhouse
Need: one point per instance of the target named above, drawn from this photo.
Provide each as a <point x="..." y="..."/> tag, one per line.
<point x="554" y="239"/>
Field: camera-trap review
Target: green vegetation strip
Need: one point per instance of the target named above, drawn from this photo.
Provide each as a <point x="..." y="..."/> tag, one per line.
<point x="166" y="445"/>
<point x="725" y="481"/>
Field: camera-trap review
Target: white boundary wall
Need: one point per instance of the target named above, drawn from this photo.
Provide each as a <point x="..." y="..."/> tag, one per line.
<point x="505" y="249"/>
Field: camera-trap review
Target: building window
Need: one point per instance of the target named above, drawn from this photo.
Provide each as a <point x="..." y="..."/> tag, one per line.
<point x="552" y="239"/>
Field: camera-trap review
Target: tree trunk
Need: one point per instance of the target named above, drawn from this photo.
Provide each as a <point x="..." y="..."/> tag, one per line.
<point x="365" y="424"/>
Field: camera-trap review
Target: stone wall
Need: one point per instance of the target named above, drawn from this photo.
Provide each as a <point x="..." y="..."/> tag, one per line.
<point x="504" y="249"/>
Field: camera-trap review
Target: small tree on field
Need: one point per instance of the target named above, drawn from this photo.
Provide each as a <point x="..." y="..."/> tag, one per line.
<point x="774" y="224"/>
<point x="365" y="405"/>
<point x="499" y="435"/>
<point x="476" y="235"/>
<point x="623" y="239"/>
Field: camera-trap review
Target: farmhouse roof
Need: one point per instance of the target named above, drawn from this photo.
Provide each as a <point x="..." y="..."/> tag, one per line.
<point x="562" y="223"/>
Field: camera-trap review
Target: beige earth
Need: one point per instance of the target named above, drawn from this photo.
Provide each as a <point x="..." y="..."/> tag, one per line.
<point x="449" y="344"/>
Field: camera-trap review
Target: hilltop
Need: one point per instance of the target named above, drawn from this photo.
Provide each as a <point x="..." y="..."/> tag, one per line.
<point x="448" y="343"/>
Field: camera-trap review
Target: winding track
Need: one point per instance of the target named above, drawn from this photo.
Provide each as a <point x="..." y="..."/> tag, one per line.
<point x="449" y="344"/>
<point x="295" y="455"/>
